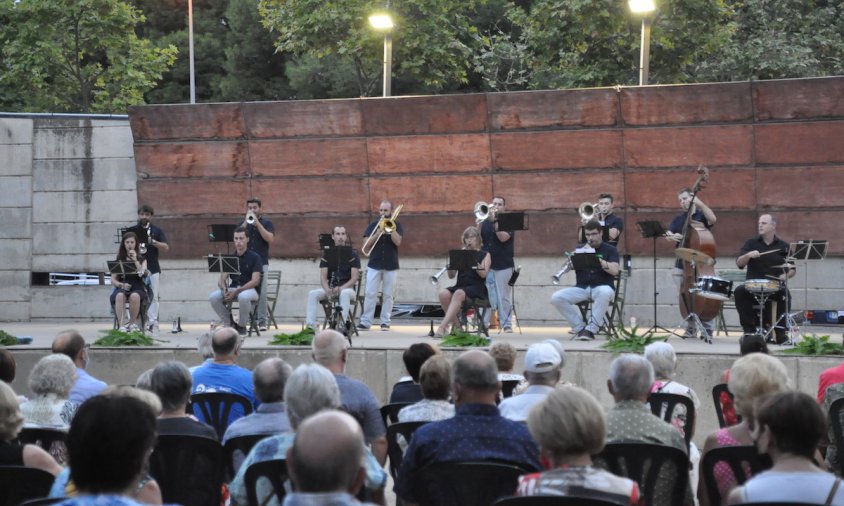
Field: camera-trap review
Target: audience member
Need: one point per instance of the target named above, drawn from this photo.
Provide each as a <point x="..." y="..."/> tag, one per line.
<point x="505" y="360"/>
<point x="329" y="350"/>
<point x="324" y="462"/>
<point x="570" y="427"/>
<point x="828" y="378"/>
<point x="748" y="343"/>
<point x="476" y="432"/>
<point x="543" y="366"/>
<point x="223" y="374"/>
<point x="407" y="389"/>
<point x="72" y="344"/>
<point x="171" y="382"/>
<point x="663" y="359"/>
<point x="8" y="366"/>
<point x="205" y="350"/>
<point x="144" y="381"/>
<point x="50" y="380"/>
<point x="435" y="380"/>
<point x="310" y="389"/>
<point x="270" y="417"/>
<point x="788" y="427"/>
<point x="752" y="377"/>
<point x="13" y="453"/>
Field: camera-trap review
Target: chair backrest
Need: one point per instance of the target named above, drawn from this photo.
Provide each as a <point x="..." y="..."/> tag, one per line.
<point x="507" y="387"/>
<point x="466" y="483"/>
<point x="547" y="500"/>
<point x="390" y="412"/>
<point x="394" y="449"/>
<point x="719" y="392"/>
<point x="835" y="421"/>
<point x="215" y="409"/>
<point x="665" y="406"/>
<point x="743" y="461"/>
<point x="235" y="450"/>
<point x="188" y="469"/>
<point x="19" y="483"/>
<point x="273" y="284"/>
<point x="258" y="474"/>
<point x="43" y="501"/>
<point x="50" y="440"/>
<point x="662" y="472"/>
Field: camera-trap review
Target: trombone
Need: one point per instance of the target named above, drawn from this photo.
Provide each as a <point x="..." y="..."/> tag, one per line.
<point x="436" y="277"/>
<point x="482" y="210"/>
<point x="384" y="226"/>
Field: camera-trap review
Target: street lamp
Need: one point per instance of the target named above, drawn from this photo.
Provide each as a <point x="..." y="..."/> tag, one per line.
<point x="383" y="22"/>
<point x="645" y="8"/>
<point x="190" y="53"/>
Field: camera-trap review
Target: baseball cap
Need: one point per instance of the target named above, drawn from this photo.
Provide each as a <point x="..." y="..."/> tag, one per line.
<point x="542" y="357"/>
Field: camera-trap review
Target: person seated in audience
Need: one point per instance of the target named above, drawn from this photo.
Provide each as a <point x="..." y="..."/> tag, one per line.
<point x="570" y="427"/>
<point x="505" y="359"/>
<point x="407" y="389"/>
<point x="50" y="380"/>
<point x="543" y="369"/>
<point x="269" y="378"/>
<point x="748" y="343"/>
<point x="476" y="432"/>
<point x="72" y="344"/>
<point x="310" y="389"/>
<point x="13" y="453"/>
<point x="171" y="382"/>
<point x="435" y="380"/>
<point x="203" y="347"/>
<point x="324" y="462"/>
<point x="8" y="369"/>
<point x="752" y="377"/>
<point x="788" y="427"/>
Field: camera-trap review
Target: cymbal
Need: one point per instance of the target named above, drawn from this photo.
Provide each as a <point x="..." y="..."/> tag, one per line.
<point x="693" y="255"/>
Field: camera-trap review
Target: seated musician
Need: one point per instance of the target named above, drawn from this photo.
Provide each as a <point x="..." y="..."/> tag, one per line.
<point x="336" y="282"/>
<point x="593" y="284"/>
<point x="470" y="282"/>
<point x="129" y="287"/>
<point x="611" y="225"/>
<point x="764" y="256"/>
<point x="244" y="286"/>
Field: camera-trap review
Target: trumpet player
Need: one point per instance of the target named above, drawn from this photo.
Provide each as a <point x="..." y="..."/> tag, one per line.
<point x="156" y="242"/>
<point x="382" y="269"/>
<point x="593" y="284"/>
<point x="470" y="282"/>
<point x="611" y="225"/>
<point x="499" y="243"/>
<point x="261" y="234"/>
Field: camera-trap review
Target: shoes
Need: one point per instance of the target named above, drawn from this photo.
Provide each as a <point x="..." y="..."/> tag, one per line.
<point x="123" y="328"/>
<point x="508" y="330"/>
<point x="241" y="331"/>
<point x="262" y="327"/>
<point x="152" y="327"/>
<point x="361" y="326"/>
<point x="133" y="328"/>
<point x="585" y="335"/>
<point x="385" y="326"/>
<point x="573" y="332"/>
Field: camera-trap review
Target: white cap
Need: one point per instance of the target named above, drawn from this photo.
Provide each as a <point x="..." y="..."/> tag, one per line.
<point x="542" y="357"/>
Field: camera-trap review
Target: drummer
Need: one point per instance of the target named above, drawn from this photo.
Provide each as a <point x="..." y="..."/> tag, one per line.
<point x="703" y="214"/>
<point x="766" y="259"/>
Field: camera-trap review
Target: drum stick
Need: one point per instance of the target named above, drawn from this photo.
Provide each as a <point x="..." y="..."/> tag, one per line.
<point x="769" y="251"/>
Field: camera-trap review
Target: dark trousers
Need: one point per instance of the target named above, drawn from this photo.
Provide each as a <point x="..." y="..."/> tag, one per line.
<point x="749" y="315"/>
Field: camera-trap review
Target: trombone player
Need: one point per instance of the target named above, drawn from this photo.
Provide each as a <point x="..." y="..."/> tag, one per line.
<point x="611" y="225"/>
<point x="499" y="244"/>
<point x="383" y="265"/>
<point x="261" y="234"/>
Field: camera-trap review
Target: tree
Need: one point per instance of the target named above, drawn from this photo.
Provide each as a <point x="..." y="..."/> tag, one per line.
<point x="77" y="56"/>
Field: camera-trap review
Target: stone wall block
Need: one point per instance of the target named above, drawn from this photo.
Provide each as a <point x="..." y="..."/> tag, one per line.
<point x="429" y="153"/>
<point x="528" y="110"/>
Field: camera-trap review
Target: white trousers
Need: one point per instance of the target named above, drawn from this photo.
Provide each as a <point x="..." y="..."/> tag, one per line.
<point x="152" y="312"/>
<point x="566" y="300"/>
<point x="500" y="295"/>
<point x="314" y="296"/>
<point x="375" y="279"/>
<point x="244" y="302"/>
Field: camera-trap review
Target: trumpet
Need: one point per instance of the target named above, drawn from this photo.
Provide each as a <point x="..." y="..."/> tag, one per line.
<point x="436" y="277"/>
<point x="250" y="218"/>
<point x="482" y="210"/>
<point x="142" y="248"/>
<point x="567" y="266"/>
<point x="588" y="211"/>
<point x="384" y="226"/>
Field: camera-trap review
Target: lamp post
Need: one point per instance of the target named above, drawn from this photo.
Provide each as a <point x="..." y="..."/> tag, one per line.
<point x="383" y="22"/>
<point x="190" y="53"/>
<point x="645" y="8"/>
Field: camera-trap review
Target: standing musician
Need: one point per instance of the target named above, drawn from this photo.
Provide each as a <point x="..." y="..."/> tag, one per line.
<point x="156" y="241"/>
<point x="470" y="282"/>
<point x="129" y="286"/>
<point x="764" y="255"/>
<point x="500" y="246"/>
<point x="261" y="234"/>
<point x="593" y="284"/>
<point x="244" y="285"/>
<point x="336" y="281"/>
<point x="381" y="270"/>
<point x="611" y="224"/>
<point x="701" y="213"/>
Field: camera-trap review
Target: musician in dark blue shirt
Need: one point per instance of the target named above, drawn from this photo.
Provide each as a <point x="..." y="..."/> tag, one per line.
<point x="335" y="280"/>
<point x="499" y="243"/>
<point x="244" y="285"/>
<point x="261" y="234"/>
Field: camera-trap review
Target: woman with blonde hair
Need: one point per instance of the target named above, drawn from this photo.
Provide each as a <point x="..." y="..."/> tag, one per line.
<point x="470" y="283"/>
<point x="13" y="453"/>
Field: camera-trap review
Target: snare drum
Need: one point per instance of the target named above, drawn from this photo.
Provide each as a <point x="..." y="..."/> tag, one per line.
<point x="762" y="285"/>
<point x="713" y="287"/>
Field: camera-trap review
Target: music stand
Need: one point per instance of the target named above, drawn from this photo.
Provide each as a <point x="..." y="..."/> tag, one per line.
<point x="651" y="229"/>
<point x="508" y="222"/>
<point x="121" y="268"/>
<point x="223" y="264"/>
<point x="585" y="261"/>
<point x="221" y="232"/>
<point x="335" y="257"/>
<point x="462" y="259"/>
<point x="808" y="249"/>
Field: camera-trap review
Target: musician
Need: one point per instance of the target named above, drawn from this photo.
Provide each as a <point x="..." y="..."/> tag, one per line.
<point x="129" y="286"/>
<point x="244" y="286"/>
<point x="761" y="264"/>
<point x="261" y="234"/>
<point x="594" y="284"/>
<point x="336" y="281"/>
<point x="381" y="270"/>
<point x="499" y="244"/>
<point x="470" y="282"/>
<point x="156" y="242"/>
<point x="611" y="224"/>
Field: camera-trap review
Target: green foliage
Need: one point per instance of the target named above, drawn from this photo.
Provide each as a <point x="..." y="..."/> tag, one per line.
<point x="329" y="77"/>
<point x="118" y="338"/>
<point x="7" y="339"/>
<point x="303" y="338"/>
<point x="460" y="339"/>
<point x="631" y="342"/>
<point x="814" y="345"/>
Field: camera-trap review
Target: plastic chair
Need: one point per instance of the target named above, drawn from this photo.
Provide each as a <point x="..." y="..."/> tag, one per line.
<point x="235" y="450"/>
<point x="546" y="500"/>
<point x="50" y="440"/>
<point x="19" y="483"/>
<point x="274" y="471"/>
<point x="741" y="459"/>
<point x="189" y="469"/>
<point x="390" y="412"/>
<point x="718" y="391"/>
<point x="214" y="408"/>
<point x="835" y="421"/>
<point x="466" y="483"/>
<point x="662" y="472"/>
<point x="507" y="387"/>
<point x="273" y="285"/>
<point x="664" y="405"/>
<point x="394" y="449"/>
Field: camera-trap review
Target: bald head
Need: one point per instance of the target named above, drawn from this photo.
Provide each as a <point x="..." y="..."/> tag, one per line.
<point x="224" y="342"/>
<point x="269" y="378"/>
<point x="475" y="378"/>
<point x="327" y="454"/>
<point x="72" y="344"/>
<point x="329" y="350"/>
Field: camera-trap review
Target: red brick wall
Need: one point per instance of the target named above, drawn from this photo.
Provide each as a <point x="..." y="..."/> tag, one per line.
<point x="771" y="146"/>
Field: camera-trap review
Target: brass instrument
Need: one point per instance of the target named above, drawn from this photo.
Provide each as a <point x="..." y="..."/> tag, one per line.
<point x="588" y="211"/>
<point x="436" y="277"/>
<point x="482" y="210"/>
<point x="567" y="266"/>
<point x="142" y="248"/>
<point x="384" y="226"/>
<point x="250" y="218"/>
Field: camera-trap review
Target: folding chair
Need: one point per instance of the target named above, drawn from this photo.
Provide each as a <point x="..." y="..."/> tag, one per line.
<point x="665" y="406"/>
<point x="743" y="461"/>
<point x="256" y="477"/>
<point x="718" y="393"/>
<point x="466" y="483"/>
<point x="273" y="286"/>
<point x="661" y="471"/>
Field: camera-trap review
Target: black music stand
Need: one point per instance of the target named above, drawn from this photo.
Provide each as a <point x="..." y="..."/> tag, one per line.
<point x="221" y="232"/>
<point x="223" y="264"/>
<point x="808" y="249"/>
<point x="651" y="229"/>
<point x="508" y="222"/>
<point x="121" y="268"/>
<point x="335" y="257"/>
<point x="462" y="259"/>
<point x="585" y="261"/>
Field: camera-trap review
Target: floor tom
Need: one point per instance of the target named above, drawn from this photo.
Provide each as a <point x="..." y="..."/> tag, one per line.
<point x="713" y="287"/>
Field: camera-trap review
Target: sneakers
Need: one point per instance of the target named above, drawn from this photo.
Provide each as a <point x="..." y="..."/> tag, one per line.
<point x="123" y="328"/>
<point x="385" y="326"/>
<point x="241" y="331"/>
<point x="133" y="328"/>
<point x="361" y="326"/>
<point x="585" y="335"/>
<point x="508" y="330"/>
<point x="262" y="326"/>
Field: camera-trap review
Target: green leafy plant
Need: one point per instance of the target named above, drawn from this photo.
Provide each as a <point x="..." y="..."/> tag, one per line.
<point x="814" y="345"/>
<point x="460" y="339"/>
<point x="7" y="339"/>
<point x="302" y="338"/>
<point x="118" y="338"/>
<point x="629" y="341"/>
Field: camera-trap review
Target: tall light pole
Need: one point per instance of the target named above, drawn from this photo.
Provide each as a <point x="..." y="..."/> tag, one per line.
<point x="383" y="22"/>
<point x="190" y="53"/>
<point x="644" y="8"/>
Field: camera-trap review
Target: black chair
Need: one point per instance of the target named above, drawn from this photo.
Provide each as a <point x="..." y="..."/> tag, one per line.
<point x="50" y="440"/>
<point x="507" y="387"/>
<point x="188" y="469"/>
<point x="235" y="450"/>
<point x="741" y="459"/>
<point x="394" y="450"/>
<point x="662" y="472"/>
<point x="476" y="323"/>
<point x="547" y="500"/>
<point x="664" y="405"/>
<point x="19" y="483"/>
<point x="718" y="391"/>
<point x="835" y="421"/>
<point x="274" y="471"/>
<point x="214" y="408"/>
<point x="390" y="412"/>
<point x="466" y="483"/>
